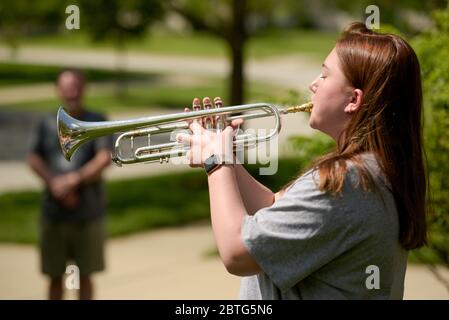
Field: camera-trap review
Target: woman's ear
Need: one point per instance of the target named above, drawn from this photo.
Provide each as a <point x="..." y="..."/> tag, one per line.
<point x="356" y="101"/>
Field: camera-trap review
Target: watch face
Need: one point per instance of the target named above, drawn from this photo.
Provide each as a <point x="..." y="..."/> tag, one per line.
<point x="211" y="163"/>
<point x="211" y="160"/>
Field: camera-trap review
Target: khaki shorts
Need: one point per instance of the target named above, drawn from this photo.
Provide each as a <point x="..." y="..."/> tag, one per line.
<point x="64" y="243"/>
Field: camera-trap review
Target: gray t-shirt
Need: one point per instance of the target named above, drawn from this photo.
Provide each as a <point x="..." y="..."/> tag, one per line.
<point x="311" y="245"/>
<point x="45" y="143"/>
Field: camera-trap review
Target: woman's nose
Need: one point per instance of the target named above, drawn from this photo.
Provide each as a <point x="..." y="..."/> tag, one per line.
<point x="313" y="86"/>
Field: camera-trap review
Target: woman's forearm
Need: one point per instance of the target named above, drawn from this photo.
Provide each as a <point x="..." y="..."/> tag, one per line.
<point x="227" y="214"/>
<point x="226" y="206"/>
<point x="254" y="194"/>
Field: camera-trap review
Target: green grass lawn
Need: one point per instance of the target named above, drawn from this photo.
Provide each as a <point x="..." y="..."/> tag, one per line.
<point x="133" y="205"/>
<point x="140" y="204"/>
<point x="136" y="97"/>
<point x="316" y="43"/>
<point x="144" y="204"/>
<point x="13" y="74"/>
<point x="149" y="93"/>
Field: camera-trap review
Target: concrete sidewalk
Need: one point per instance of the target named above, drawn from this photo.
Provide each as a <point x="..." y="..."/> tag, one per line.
<point x="173" y="263"/>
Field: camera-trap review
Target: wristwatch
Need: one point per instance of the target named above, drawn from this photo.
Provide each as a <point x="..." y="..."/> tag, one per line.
<point x="212" y="163"/>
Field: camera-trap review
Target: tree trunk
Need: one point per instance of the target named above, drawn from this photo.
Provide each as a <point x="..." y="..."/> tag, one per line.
<point x="236" y="41"/>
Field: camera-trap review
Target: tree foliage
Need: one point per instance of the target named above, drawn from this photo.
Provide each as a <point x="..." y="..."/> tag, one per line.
<point x="20" y="18"/>
<point x="433" y="51"/>
<point x="119" y="20"/>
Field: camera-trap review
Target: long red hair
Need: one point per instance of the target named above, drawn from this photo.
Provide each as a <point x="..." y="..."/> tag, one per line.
<point x="389" y="124"/>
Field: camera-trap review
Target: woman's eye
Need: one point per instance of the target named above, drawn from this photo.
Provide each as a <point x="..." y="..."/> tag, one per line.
<point x="322" y="76"/>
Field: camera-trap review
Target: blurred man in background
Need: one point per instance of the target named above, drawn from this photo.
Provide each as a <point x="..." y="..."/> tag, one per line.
<point x="73" y="208"/>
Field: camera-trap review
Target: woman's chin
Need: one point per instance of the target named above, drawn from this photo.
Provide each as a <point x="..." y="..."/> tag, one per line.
<point x="312" y="123"/>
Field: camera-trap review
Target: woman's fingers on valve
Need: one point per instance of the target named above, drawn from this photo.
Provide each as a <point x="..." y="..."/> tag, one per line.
<point x="218" y="102"/>
<point x="189" y="121"/>
<point x="207" y="120"/>
<point x="218" y="123"/>
<point x="196" y="106"/>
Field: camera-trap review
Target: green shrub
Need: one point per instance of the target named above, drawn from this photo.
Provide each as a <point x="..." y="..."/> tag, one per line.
<point x="433" y="52"/>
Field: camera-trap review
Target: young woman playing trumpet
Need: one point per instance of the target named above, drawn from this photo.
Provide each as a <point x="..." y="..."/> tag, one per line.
<point x="343" y="229"/>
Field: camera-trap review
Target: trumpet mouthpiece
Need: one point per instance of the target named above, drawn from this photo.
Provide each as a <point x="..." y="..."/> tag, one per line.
<point x="306" y="107"/>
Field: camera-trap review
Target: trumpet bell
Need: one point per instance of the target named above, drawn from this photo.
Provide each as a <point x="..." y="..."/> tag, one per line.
<point x="70" y="133"/>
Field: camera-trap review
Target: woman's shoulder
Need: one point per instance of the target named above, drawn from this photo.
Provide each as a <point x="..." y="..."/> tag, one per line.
<point x="353" y="176"/>
<point x="370" y="162"/>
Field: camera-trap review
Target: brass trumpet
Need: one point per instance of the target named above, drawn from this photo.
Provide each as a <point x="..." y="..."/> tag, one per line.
<point x="73" y="133"/>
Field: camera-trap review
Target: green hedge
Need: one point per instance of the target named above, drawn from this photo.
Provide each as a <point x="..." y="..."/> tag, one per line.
<point x="433" y="52"/>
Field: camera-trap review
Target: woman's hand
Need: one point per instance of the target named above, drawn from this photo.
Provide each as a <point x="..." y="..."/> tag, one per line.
<point x="206" y="142"/>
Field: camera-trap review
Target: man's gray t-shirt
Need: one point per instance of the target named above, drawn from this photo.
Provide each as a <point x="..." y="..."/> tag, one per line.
<point x="311" y="245"/>
<point x="45" y="143"/>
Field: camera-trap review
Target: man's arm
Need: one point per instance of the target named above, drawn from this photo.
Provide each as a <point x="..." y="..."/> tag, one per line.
<point x="38" y="165"/>
<point x="93" y="169"/>
<point x="61" y="185"/>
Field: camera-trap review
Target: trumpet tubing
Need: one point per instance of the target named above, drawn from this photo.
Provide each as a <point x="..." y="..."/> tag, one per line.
<point x="73" y="133"/>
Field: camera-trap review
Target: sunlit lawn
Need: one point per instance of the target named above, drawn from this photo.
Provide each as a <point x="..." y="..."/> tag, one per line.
<point x="142" y="91"/>
<point x="145" y="97"/>
<point x="153" y="92"/>
<point x="143" y="204"/>
<point x="135" y="97"/>
<point x="133" y="205"/>
<point x="12" y="74"/>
